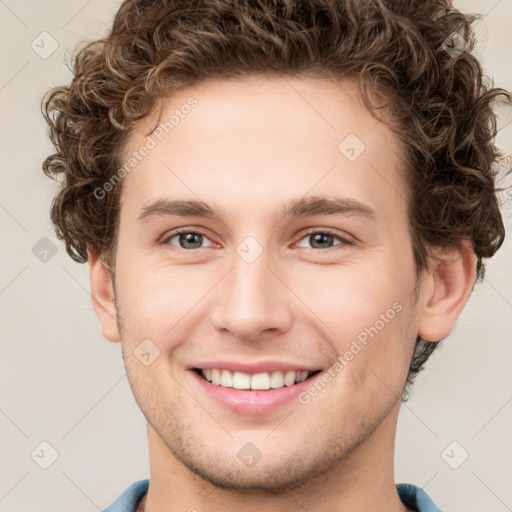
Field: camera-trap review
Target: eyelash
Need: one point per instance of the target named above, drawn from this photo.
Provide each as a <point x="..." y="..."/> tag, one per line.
<point x="344" y="241"/>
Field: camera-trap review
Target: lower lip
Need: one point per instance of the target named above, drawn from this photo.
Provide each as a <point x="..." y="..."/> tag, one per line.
<point x="253" y="402"/>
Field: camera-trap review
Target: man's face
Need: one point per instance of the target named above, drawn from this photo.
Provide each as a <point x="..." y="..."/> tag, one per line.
<point x="249" y="286"/>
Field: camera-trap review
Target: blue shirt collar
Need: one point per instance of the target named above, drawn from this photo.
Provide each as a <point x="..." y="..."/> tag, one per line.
<point x="412" y="496"/>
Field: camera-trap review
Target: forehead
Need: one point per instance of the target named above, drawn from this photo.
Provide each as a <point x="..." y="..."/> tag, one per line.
<point x="256" y="142"/>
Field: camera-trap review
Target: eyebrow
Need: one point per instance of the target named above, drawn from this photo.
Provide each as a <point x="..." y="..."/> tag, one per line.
<point x="302" y="207"/>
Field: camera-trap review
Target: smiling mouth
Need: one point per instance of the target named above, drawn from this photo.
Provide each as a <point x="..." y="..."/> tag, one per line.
<point x="257" y="381"/>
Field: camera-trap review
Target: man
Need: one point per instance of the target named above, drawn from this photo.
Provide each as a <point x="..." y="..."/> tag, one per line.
<point x="284" y="207"/>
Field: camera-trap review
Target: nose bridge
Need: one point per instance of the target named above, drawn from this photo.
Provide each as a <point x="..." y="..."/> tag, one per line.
<point x="251" y="298"/>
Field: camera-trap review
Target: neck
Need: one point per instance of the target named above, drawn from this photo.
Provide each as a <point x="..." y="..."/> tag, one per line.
<point x="363" y="481"/>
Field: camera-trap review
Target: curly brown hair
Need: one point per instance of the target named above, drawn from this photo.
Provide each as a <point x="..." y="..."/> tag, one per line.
<point x="439" y="104"/>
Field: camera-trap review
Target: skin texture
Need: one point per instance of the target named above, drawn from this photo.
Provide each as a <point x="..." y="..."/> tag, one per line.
<point x="247" y="148"/>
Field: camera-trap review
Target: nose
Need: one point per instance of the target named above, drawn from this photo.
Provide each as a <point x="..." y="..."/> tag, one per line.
<point x="252" y="301"/>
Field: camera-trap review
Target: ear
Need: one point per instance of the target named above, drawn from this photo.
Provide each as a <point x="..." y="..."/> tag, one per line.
<point x="102" y="291"/>
<point x="446" y="290"/>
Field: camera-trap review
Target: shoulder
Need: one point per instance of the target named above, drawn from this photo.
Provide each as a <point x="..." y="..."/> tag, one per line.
<point x="129" y="498"/>
<point x="416" y="498"/>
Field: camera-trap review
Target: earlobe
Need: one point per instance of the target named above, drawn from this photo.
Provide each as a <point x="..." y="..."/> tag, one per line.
<point x="103" y="300"/>
<point x="446" y="290"/>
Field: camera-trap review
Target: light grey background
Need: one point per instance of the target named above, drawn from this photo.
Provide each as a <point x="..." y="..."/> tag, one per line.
<point x="63" y="384"/>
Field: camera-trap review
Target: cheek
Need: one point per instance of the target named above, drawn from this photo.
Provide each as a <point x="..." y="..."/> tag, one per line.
<point x="355" y="295"/>
<point x="159" y="302"/>
<point x="382" y="363"/>
<point x="371" y="320"/>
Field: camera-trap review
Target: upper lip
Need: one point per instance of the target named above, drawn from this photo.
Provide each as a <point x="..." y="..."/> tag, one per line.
<point x="254" y="367"/>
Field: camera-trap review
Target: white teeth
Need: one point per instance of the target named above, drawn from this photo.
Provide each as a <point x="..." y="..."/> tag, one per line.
<point x="276" y="380"/>
<point x="257" y="381"/>
<point x="289" y="378"/>
<point x="216" y="377"/>
<point x="303" y="375"/>
<point x="226" y="379"/>
<point x="260" y="381"/>
<point x="241" y="380"/>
